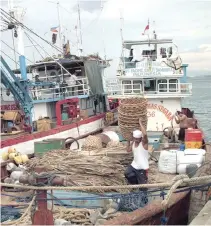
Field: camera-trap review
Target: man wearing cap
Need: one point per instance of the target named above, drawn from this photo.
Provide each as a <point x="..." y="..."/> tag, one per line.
<point x="136" y="173"/>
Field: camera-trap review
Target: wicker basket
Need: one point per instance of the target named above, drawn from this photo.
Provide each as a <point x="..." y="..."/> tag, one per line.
<point x="129" y="113"/>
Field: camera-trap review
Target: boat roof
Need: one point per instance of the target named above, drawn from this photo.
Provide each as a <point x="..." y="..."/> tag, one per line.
<point x="42" y="63"/>
<point x="61" y="61"/>
<point x="129" y="43"/>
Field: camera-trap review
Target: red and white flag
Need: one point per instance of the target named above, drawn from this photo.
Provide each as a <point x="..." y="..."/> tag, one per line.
<point x="146" y="29"/>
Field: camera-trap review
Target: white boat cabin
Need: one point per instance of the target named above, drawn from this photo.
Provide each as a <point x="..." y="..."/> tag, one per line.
<point x="152" y="68"/>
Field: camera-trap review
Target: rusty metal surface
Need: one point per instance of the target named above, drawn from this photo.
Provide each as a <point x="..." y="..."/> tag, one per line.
<point x="42" y="216"/>
<point x="4" y="172"/>
<point x="151" y="214"/>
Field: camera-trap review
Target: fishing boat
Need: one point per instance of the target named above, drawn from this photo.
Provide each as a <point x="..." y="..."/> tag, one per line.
<point x="57" y="97"/>
<point x="159" y="78"/>
<point x="152" y="68"/>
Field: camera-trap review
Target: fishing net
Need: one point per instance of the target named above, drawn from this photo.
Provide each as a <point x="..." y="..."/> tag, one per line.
<point x="132" y="201"/>
<point x="9" y="213"/>
<point x="129" y="113"/>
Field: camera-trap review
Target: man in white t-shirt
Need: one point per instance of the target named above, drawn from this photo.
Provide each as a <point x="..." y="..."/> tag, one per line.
<point x="136" y="173"/>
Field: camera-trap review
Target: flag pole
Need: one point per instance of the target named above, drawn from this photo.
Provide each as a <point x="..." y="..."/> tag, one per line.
<point x="148" y="34"/>
<point x="59" y="19"/>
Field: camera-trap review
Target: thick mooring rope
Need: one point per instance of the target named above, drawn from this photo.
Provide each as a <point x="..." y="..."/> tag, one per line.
<point x="177" y="181"/>
<point x="22" y="217"/>
<point x="185" y="182"/>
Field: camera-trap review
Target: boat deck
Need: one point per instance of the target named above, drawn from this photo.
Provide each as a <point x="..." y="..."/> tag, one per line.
<point x="204" y="216"/>
<point x="14" y="134"/>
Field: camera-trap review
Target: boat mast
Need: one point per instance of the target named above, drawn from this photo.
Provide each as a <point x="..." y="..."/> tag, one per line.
<point x="104" y="48"/>
<point x="18" y="13"/>
<point x="60" y="28"/>
<point x="79" y="22"/>
<point x="155" y="37"/>
<point x="148" y="33"/>
<point x="122" y="62"/>
<point x="11" y="12"/>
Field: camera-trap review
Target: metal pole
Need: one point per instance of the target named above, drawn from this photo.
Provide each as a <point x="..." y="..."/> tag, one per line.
<point x="60" y="28"/>
<point x="121" y="32"/>
<point x="78" y="49"/>
<point x="13" y="42"/>
<point x="20" y="32"/>
<point x="104" y="48"/>
<point x="11" y="10"/>
<point x="79" y="21"/>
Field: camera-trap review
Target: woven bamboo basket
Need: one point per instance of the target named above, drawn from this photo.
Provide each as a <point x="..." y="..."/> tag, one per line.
<point x="129" y="113"/>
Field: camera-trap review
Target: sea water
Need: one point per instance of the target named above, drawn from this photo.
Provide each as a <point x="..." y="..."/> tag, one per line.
<point x="200" y="102"/>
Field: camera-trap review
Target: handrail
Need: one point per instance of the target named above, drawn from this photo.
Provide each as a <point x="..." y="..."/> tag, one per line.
<point x="51" y="93"/>
<point x="162" y="88"/>
<point x="179" y="87"/>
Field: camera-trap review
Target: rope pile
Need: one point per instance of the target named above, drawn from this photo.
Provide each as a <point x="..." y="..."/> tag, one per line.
<point x="92" y="143"/>
<point x="129" y="113"/>
<point x="73" y="215"/>
<point x="82" y="170"/>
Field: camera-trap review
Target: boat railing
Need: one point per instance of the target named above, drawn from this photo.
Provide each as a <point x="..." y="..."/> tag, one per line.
<point x="164" y="89"/>
<point x="185" y="88"/>
<point x="61" y="90"/>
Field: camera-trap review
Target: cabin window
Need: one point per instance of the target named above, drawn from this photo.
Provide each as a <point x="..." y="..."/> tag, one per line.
<point x="137" y="86"/>
<point x="173" y="85"/>
<point x="162" y="85"/>
<point x="127" y="86"/>
<point x="149" y="85"/>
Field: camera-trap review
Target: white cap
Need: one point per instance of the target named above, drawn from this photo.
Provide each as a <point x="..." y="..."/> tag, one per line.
<point x="137" y="134"/>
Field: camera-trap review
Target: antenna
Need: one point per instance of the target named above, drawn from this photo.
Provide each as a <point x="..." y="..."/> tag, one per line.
<point x="104" y="48"/>
<point x="78" y="49"/>
<point x="121" y="33"/>
<point x="79" y="22"/>
<point x="59" y="20"/>
<point x="148" y="33"/>
<point x="60" y="27"/>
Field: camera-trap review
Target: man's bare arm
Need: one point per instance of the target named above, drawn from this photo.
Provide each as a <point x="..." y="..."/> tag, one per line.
<point x="177" y="119"/>
<point x="144" y="133"/>
<point x="129" y="146"/>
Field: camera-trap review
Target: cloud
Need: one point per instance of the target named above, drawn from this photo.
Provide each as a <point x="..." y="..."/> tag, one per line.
<point x="186" y="21"/>
<point x="198" y="59"/>
<point x="90" y="6"/>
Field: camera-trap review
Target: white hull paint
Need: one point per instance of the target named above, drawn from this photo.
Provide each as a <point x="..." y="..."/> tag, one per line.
<point x="28" y="147"/>
<point x="160" y="112"/>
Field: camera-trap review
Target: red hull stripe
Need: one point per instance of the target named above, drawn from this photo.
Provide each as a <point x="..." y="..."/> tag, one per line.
<point x="27" y="137"/>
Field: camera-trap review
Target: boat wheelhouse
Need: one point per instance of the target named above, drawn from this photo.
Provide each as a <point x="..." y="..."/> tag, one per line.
<point x="152" y="68"/>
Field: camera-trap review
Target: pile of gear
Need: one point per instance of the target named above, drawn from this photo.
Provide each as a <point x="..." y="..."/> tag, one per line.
<point x="81" y="170"/>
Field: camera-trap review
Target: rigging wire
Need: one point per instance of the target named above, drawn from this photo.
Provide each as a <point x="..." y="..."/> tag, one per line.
<point x="51" y="56"/>
<point x="10" y="57"/>
<point x="30" y="30"/>
<point x="9" y="17"/>
<point x="30" y="39"/>
<point x="15" y="50"/>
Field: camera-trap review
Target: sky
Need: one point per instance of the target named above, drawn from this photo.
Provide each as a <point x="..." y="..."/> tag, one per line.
<point x="186" y="21"/>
